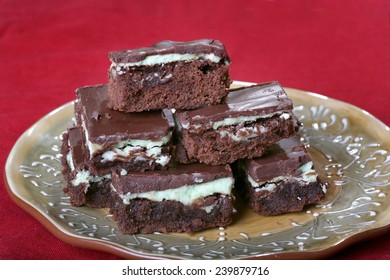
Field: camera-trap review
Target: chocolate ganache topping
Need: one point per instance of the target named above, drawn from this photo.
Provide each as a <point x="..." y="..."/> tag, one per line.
<point x="261" y="99"/>
<point x="77" y="147"/>
<point x="283" y="158"/>
<point x="109" y="126"/>
<point x="202" y="46"/>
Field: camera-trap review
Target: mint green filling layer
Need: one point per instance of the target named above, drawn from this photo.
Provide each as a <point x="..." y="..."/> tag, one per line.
<point x="238" y="120"/>
<point x="84" y="176"/>
<point x="131" y="146"/>
<point x="186" y="194"/>
<point x="165" y="58"/>
<point x="247" y="132"/>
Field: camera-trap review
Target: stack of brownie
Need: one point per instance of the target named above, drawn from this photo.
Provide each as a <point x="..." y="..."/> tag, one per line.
<point x="155" y="145"/>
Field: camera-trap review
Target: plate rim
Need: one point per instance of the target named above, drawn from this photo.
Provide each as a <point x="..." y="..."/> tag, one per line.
<point x="118" y="250"/>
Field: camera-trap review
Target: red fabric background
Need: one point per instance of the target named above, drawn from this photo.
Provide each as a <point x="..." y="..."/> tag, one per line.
<point x="337" y="48"/>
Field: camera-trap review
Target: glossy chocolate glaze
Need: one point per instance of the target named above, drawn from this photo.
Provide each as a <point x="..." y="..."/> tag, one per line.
<point x="77" y="147"/>
<point x="254" y="100"/>
<point x="171" y="47"/>
<point x="107" y="126"/>
<point x="281" y="159"/>
<point x="175" y="176"/>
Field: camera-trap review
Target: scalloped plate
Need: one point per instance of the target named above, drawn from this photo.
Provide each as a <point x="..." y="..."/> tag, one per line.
<point x="353" y="158"/>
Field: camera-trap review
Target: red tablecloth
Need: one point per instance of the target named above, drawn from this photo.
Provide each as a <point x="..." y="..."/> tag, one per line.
<point x="337" y="48"/>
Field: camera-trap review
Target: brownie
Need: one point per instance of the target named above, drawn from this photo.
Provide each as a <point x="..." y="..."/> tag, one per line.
<point x="282" y="180"/>
<point x="183" y="198"/>
<point x="117" y="140"/>
<point x="180" y="75"/>
<point x="249" y="121"/>
<point x="82" y="186"/>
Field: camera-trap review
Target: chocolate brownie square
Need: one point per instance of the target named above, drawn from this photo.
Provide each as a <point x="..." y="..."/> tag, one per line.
<point x="183" y="198"/>
<point x="249" y="121"/>
<point x="130" y="141"/>
<point x="282" y="180"/>
<point x="181" y="75"/>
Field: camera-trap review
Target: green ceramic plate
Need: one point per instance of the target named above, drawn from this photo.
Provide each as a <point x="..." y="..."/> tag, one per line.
<point x="350" y="149"/>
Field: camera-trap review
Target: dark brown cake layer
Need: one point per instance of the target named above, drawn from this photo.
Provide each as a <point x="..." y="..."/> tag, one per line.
<point x="251" y="120"/>
<point x="288" y="196"/>
<point x="181" y="85"/>
<point x="146" y="216"/>
<point x="94" y="195"/>
<point x="135" y="86"/>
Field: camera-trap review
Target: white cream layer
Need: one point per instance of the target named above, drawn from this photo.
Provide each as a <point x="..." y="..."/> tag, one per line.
<point x="238" y="120"/>
<point x="120" y="68"/>
<point x="186" y="194"/>
<point x="308" y="176"/>
<point x="85" y="177"/>
<point x="139" y="153"/>
<point x="247" y="132"/>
